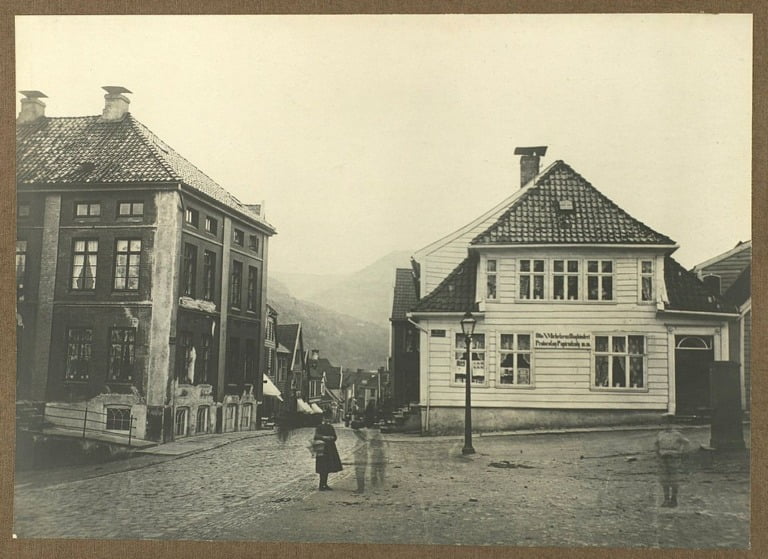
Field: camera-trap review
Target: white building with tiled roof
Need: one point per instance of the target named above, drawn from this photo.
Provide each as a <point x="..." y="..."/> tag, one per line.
<point x="582" y="315"/>
<point x="141" y="281"/>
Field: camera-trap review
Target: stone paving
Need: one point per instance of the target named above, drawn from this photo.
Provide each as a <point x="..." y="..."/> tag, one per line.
<point x="588" y="489"/>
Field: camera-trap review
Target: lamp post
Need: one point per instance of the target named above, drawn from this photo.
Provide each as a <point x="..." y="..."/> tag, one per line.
<point x="468" y="329"/>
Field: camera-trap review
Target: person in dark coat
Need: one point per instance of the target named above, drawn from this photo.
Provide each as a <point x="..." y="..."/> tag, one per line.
<point x="327" y="461"/>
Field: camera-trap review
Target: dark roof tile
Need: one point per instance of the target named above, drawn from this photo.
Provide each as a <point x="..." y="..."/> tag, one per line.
<point x="456" y="293"/>
<point x="405" y="296"/>
<point x="536" y="217"/>
<point x="686" y="292"/>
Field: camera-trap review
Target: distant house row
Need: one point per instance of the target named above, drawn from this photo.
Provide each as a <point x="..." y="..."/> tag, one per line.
<point x="583" y="316"/>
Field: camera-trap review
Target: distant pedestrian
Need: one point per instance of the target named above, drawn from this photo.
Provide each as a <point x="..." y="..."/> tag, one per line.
<point x="370" y="414"/>
<point x="670" y="445"/>
<point x="327" y="459"/>
<point x="361" y="454"/>
<point x="378" y="459"/>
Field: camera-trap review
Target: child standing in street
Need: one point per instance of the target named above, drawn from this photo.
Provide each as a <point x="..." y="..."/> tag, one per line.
<point x="670" y="445"/>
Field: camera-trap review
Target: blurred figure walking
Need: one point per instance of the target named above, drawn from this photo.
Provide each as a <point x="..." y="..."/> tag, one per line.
<point x="378" y="458"/>
<point x="361" y="454"/>
<point x="670" y="445"/>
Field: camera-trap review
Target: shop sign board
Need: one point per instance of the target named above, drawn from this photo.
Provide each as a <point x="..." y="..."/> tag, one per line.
<point x="562" y="340"/>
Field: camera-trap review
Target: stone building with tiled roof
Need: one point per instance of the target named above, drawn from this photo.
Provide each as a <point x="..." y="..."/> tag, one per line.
<point x="140" y="280"/>
<point x="583" y="317"/>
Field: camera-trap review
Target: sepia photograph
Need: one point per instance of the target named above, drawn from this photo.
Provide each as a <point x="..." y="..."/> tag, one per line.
<point x="437" y="279"/>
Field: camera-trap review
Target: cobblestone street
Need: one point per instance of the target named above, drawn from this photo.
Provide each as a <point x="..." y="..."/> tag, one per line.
<point x="587" y="489"/>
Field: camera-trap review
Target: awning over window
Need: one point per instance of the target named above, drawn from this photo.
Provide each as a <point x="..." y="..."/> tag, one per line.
<point x="315" y="408"/>
<point x="270" y="389"/>
<point x="302" y="406"/>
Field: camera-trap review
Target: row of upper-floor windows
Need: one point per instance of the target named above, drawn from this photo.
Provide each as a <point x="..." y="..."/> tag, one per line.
<point x="567" y="279"/>
<point x="84" y="270"/>
<point x="208" y="291"/>
<point x="91" y="209"/>
<point x="211" y="226"/>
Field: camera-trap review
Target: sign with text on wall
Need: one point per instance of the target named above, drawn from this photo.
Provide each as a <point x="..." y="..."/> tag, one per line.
<point x="561" y="340"/>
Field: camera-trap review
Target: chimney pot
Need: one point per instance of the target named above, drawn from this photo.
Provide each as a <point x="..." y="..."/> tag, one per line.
<point x="32" y="107"/>
<point x="116" y="104"/>
<point x="529" y="162"/>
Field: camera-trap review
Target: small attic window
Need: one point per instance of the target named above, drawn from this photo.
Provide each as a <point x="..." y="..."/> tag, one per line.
<point x="566" y="205"/>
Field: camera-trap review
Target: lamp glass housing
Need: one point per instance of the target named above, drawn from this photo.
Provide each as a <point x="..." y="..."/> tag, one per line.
<point x="468" y="324"/>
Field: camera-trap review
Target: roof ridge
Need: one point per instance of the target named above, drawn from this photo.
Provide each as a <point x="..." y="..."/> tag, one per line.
<point x="145" y="134"/>
<point x="622" y="210"/>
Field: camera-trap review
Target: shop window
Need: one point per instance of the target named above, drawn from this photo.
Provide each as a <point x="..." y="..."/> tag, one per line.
<point x="531" y="279"/>
<point x="209" y="275"/>
<point x="253" y="292"/>
<point x="230" y="414"/>
<point x="181" y="422"/>
<point x="189" y="271"/>
<point x="21" y="268"/>
<point x="78" y="362"/>
<point x="236" y="298"/>
<point x="118" y="419"/>
<point x="127" y="260"/>
<point x="600" y="280"/>
<point x="130" y="209"/>
<point x="246" y="412"/>
<point x="565" y="280"/>
<point x="122" y="354"/>
<point x="251" y="360"/>
<point x="620" y="362"/>
<point x="477" y="366"/>
<point x="192" y="217"/>
<point x="646" y="280"/>
<point x="87" y="209"/>
<point x="515" y="360"/>
<point x="238" y="237"/>
<point x="211" y="225"/>
<point x="203" y="418"/>
<point x="490" y="279"/>
<point x="84" y="261"/>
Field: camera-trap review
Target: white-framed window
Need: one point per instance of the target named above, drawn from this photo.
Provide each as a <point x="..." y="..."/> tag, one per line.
<point x="192" y="216"/>
<point x="87" y="209"/>
<point x="620" y="362"/>
<point x="211" y="225"/>
<point x="130" y="209"/>
<point x="118" y="419"/>
<point x="515" y="360"/>
<point x="246" y="412"/>
<point x="565" y="280"/>
<point x="490" y="279"/>
<point x="531" y="279"/>
<point x="181" y="422"/>
<point x="646" y="281"/>
<point x="600" y="280"/>
<point x="477" y="365"/>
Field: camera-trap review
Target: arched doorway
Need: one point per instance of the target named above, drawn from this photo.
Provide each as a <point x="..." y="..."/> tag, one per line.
<point x="693" y="357"/>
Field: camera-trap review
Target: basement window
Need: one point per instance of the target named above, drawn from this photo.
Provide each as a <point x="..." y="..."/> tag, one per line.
<point x="118" y="419"/>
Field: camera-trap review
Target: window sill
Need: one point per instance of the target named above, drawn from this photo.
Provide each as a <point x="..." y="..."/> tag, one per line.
<point x="474" y="385"/>
<point x="515" y="386"/>
<point x="564" y="301"/>
<point x="72" y="381"/>
<point x="619" y="390"/>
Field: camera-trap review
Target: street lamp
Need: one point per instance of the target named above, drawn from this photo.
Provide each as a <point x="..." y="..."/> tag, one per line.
<point x="468" y="328"/>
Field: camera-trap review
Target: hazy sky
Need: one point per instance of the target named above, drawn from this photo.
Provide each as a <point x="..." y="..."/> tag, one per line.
<point x="369" y="134"/>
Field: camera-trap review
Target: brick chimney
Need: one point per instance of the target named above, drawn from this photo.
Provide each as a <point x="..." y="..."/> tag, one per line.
<point x="529" y="162"/>
<point x="116" y="104"/>
<point x="32" y="107"/>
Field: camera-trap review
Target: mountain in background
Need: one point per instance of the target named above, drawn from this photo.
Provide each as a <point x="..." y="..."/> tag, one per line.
<point x="343" y="340"/>
<point x="365" y="294"/>
<point x="345" y="316"/>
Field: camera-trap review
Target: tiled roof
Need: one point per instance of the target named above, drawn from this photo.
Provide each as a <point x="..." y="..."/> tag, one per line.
<point x="88" y="149"/>
<point x="687" y="292"/>
<point x="332" y="374"/>
<point x="456" y="293"/>
<point x="536" y="217"/>
<point x="405" y="296"/>
<point x="741" y="289"/>
<point x="286" y="335"/>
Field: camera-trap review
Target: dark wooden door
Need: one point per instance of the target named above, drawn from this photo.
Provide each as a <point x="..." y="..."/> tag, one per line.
<point x="693" y="358"/>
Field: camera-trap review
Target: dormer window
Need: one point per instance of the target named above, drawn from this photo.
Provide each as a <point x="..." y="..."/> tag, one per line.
<point x="490" y="279"/>
<point x="566" y="205"/>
